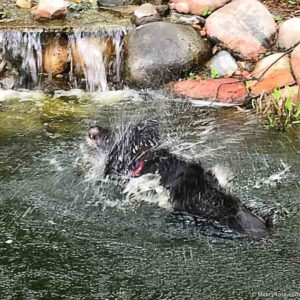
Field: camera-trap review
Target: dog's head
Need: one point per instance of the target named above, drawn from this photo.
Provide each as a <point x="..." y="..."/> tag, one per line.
<point x="126" y="156"/>
<point x="98" y="138"/>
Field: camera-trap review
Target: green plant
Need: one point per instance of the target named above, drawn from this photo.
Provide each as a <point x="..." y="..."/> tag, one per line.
<point x="278" y="18"/>
<point x="248" y="86"/>
<point x="206" y="12"/>
<point x="5" y="14"/>
<point x="279" y="109"/>
<point x="214" y="73"/>
<point x="192" y="76"/>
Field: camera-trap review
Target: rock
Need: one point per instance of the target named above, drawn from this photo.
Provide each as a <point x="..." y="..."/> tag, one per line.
<point x="7" y="83"/>
<point x="223" y="63"/>
<point x="295" y="62"/>
<point x="186" y="19"/>
<point x="279" y="74"/>
<point x="159" y="52"/>
<point x="245" y="27"/>
<point x="2" y="63"/>
<point x="289" y="33"/>
<point x="55" y="55"/>
<point x="145" y="10"/>
<point x="182" y="7"/>
<point x="24" y="3"/>
<point x="227" y="90"/>
<point x="112" y="2"/>
<point x="50" y="9"/>
<point x="198" y="7"/>
<point x="50" y="86"/>
<point x="146" y="13"/>
<point x="163" y="10"/>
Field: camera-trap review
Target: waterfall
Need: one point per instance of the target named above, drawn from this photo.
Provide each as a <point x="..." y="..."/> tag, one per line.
<point x="25" y="49"/>
<point x="94" y="58"/>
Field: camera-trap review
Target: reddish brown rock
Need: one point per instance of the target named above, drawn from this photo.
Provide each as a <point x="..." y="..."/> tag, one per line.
<point x="50" y="9"/>
<point x="197" y="7"/>
<point x="55" y="55"/>
<point x="289" y="33"/>
<point x="227" y="90"/>
<point x="295" y="61"/>
<point x="244" y="26"/>
<point x="272" y="76"/>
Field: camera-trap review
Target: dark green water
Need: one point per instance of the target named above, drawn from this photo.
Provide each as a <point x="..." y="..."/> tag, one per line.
<point x="61" y="237"/>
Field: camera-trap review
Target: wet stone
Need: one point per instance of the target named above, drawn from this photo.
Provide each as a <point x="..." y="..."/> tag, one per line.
<point x="55" y="55"/>
<point x="159" y="52"/>
<point x="113" y="2"/>
<point x="186" y="19"/>
<point x="7" y="83"/>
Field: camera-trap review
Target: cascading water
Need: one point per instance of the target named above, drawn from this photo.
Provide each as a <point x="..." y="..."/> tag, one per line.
<point x="94" y="58"/>
<point x="91" y="54"/>
<point x="25" y="49"/>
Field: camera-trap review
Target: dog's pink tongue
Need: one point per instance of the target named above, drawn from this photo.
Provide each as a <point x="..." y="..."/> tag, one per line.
<point x="138" y="169"/>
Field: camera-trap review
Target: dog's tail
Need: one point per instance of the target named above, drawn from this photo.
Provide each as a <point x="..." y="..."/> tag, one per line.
<point x="246" y="222"/>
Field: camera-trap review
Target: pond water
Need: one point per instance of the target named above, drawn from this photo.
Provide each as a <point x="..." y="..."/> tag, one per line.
<point x="67" y="234"/>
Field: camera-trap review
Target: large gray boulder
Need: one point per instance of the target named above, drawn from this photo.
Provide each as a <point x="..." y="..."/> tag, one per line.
<point x="159" y="52"/>
<point x="245" y="27"/>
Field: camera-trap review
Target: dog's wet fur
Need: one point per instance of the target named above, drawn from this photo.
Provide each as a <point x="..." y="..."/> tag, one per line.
<point x="192" y="189"/>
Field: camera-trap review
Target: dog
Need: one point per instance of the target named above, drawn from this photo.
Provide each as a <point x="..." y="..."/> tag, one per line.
<point x="192" y="189"/>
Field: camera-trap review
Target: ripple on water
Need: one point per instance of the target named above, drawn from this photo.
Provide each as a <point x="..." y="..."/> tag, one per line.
<point x="72" y="237"/>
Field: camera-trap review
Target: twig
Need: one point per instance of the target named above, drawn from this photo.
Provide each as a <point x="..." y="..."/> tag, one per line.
<point x="264" y="72"/>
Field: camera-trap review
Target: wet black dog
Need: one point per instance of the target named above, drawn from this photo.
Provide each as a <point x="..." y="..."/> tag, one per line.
<point x="192" y="189"/>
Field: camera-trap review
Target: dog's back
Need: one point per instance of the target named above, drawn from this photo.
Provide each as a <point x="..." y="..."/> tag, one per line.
<point x="196" y="191"/>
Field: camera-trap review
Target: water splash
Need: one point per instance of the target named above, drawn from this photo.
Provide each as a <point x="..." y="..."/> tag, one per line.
<point x="274" y="179"/>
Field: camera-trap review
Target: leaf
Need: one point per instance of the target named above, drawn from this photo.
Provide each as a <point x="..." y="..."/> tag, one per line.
<point x="278" y="18"/>
<point x="276" y="94"/>
<point x="288" y="105"/>
<point x="297" y="114"/>
<point x="248" y="86"/>
<point x="214" y="73"/>
<point x="206" y="12"/>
